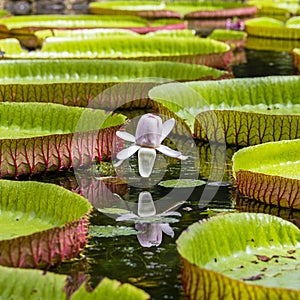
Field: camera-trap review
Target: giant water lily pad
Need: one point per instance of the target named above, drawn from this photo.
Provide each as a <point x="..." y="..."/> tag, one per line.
<point x="190" y="50"/>
<point x="241" y="256"/>
<point x="244" y="111"/>
<point x="178" y="9"/>
<point x="145" y="9"/>
<point x="38" y="137"/>
<point x="273" y="28"/>
<point x="269" y="172"/>
<point x="234" y="38"/>
<point x="41" y="224"/>
<point x="100" y="32"/>
<point x="33" y="284"/>
<point x="78" y="82"/>
<point x="71" y="21"/>
<point x="29" y="24"/>
<point x="211" y="9"/>
<point x="275" y="8"/>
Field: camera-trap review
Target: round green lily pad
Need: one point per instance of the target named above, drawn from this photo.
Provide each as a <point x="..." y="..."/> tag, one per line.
<point x="37" y="217"/>
<point x="269" y="172"/>
<point x="241" y="256"/>
<point x="181" y="183"/>
<point x="25" y="284"/>
<point x="38" y="137"/>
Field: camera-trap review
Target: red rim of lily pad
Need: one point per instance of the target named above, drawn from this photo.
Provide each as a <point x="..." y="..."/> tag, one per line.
<point x="33" y="143"/>
<point x="65" y="213"/>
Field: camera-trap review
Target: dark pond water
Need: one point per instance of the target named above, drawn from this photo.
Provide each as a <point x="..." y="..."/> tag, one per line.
<point x="157" y="269"/>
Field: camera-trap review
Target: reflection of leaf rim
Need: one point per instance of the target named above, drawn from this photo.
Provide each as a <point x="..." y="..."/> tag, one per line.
<point x="41" y="248"/>
<point x="194" y="246"/>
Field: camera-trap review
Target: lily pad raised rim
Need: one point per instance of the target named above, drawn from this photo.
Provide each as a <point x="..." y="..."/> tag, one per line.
<point x="270" y="179"/>
<point x="254" y="233"/>
<point x="274" y="32"/>
<point x="60" y="149"/>
<point x="233" y="106"/>
<point x="30" y="24"/>
<point x="51" y="246"/>
<point x="29" y="284"/>
<point x="180" y="49"/>
<point x="145" y="9"/>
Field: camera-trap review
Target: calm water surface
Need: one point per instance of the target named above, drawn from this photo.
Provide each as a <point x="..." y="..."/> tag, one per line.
<point x="157" y="269"/>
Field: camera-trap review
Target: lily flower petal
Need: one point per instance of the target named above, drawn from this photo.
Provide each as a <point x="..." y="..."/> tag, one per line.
<point x="146" y="159"/>
<point x="167" y="128"/>
<point x="167" y="229"/>
<point x="125" y="136"/>
<point x="126" y="153"/>
<point x="170" y="213"/>
<point x="149" y="131"/>
<point x="168" y="151"/>
<point x="146" y="207"/>
<point x="126" y="217"/>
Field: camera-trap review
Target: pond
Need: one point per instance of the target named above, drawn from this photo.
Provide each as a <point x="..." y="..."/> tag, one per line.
<point x="157" y="269"/>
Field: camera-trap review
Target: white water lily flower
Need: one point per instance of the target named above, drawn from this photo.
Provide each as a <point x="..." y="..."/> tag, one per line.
<point x="150" y="133"/>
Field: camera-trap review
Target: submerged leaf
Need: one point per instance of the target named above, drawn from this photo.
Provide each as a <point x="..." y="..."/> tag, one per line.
<point x="181" y="183"/>
<point x="111" y="231"/>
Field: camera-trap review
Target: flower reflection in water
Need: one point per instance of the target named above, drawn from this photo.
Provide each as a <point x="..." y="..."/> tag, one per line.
<point x="150" y="225"/>
<point x="150" y="133"/>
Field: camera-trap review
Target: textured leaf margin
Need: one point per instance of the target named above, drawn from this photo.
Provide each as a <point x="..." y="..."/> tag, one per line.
<point x="244" y="128"/>
<point x="79" y="82"/>
<point x="71" y="21"/>
<point x="145" y="9"/>
<point x="203" y="244"/>
<point x="59" y="148"/>
<point x="33" y="284"/>
<point x="188" y="50"/>
<point x="235" y="109"/>
<point x="48" y="247"/>
<point x="269" y="173"/>
<point x="275" y="29"/>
